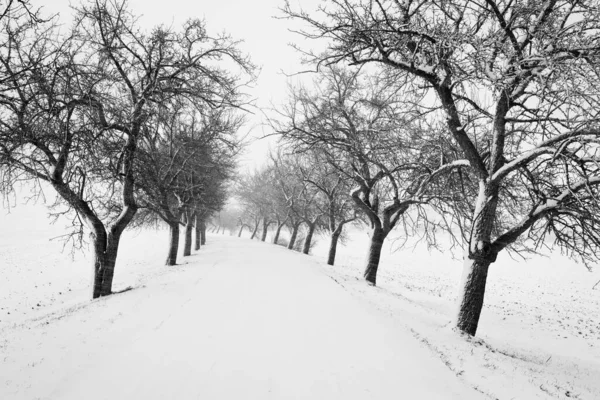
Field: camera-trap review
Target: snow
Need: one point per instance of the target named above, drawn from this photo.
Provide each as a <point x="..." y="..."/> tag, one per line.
<point x="244" y="319"/>
<point x="40" y="275"/>
<point x="539" y="334"/>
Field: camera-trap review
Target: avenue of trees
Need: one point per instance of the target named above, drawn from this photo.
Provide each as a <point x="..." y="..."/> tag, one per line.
<point x="125" y="125"/>
<point x="300" y="192"/>
<point x="478" y="120"/>
<point x="504" y="93"/>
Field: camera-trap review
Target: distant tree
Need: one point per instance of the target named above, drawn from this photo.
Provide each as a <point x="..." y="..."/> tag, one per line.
<point x="200" y="226"/>
<point x="335" y="187"/>
<point x="229" y="217"/>
<point x="310" y="205"/>
<point x="516" y="84"/>
<point x="183" y="160"/>
<point x="212" y="199"/>
<point x="362" y="127"/>
<point x="254" y="192"/>
<point x="281" y="214"/>
<point x="278" y="203"/>
<point x="299" y="203"/>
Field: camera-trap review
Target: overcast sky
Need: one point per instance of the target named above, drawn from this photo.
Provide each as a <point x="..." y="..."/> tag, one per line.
<point x="266" y="40"/>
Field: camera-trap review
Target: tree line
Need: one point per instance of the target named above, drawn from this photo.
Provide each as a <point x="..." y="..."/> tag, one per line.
<point x="475" y="118"/>
<point x="127" y="126"/>
<point x="294" y="191"/>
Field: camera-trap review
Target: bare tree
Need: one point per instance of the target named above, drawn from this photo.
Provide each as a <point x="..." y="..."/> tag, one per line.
<point x="310" y="204"/>
<point x="362" y="127"/>
<point x="75" y="115"/>
<point x="335" y="187"/>
<point x="200" y="227"/>
<point x="184" y="159"/>
<point x="299" y="203"/>
<point x="254" y="191"/>
<point x="516" y="84"/>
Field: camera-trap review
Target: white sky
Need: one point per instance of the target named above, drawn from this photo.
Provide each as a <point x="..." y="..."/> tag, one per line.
<point x="266" y="40"/>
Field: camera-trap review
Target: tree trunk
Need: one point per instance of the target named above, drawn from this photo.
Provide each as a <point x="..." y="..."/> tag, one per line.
<point x="187" y="244"/>
<point x="105" y="240"/>
<point x="333" y="248"/>
<point x="202" y="232"/>
<point x="265" y="229"/>
<point x="308" y="240"/>
<point x="254" y="231"/>
<point x="477" y="261"/>
<point x="277" y="232"/>
<point x="103" y="276"/>
<point x="101" y="266"/>
<point x="197" y="236"/>
<point x="472" y="291"/>
<point x="293" y="237"/>
<point x="173" y="243"/>
<point x="106" y="248"/>
<point x="241" y="230"/>
<point x="377" y="238"/>
<point x="105" y="257"/>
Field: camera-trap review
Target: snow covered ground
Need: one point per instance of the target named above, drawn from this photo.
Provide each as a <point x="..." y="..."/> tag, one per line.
<point x="243" y="319"/>
<point x="40" y="275"/>
<point x="539" y="334"/>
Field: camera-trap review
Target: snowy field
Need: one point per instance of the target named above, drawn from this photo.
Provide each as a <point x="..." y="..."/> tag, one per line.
<point x="539" y="335"/>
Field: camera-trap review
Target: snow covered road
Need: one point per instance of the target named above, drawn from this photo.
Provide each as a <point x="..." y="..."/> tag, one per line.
<point x="240" y="320"/>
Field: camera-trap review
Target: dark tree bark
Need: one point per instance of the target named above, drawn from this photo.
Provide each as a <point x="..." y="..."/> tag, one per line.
<point x="254" y="231"/>
<point x="173" y="243"/>
<point x="308" y="239"/>
<point x="477" y="262"/>
<point x="202" y="232"/>
<point x="377" y="238"/>
<point x="187" y="244"/>
<point x="472" y="290"/>
<point x="265" y="229"/>
<point x="105" y="257"/>
<point x="333" y="248"/>
<point x="294" y="236"/>
<point x="277" y="232"/>
<point x="197" y="236"/>
<point x="241" y="230"/>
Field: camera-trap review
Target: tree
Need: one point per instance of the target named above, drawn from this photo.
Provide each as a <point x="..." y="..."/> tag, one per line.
<point x="516" y="84"/>
<point x="364" y="129"/>
<point x="75" y="115"/>
<point x="335" y="189"/>
<point x="254" y="191"/>
<point x="183" y="161"/>
<point x="310" y="204"/>
<point x="229" y="217"/>
<point x="200" y="227"/>
<point x="140" y="70"/>
<point x="291" y="188"/>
